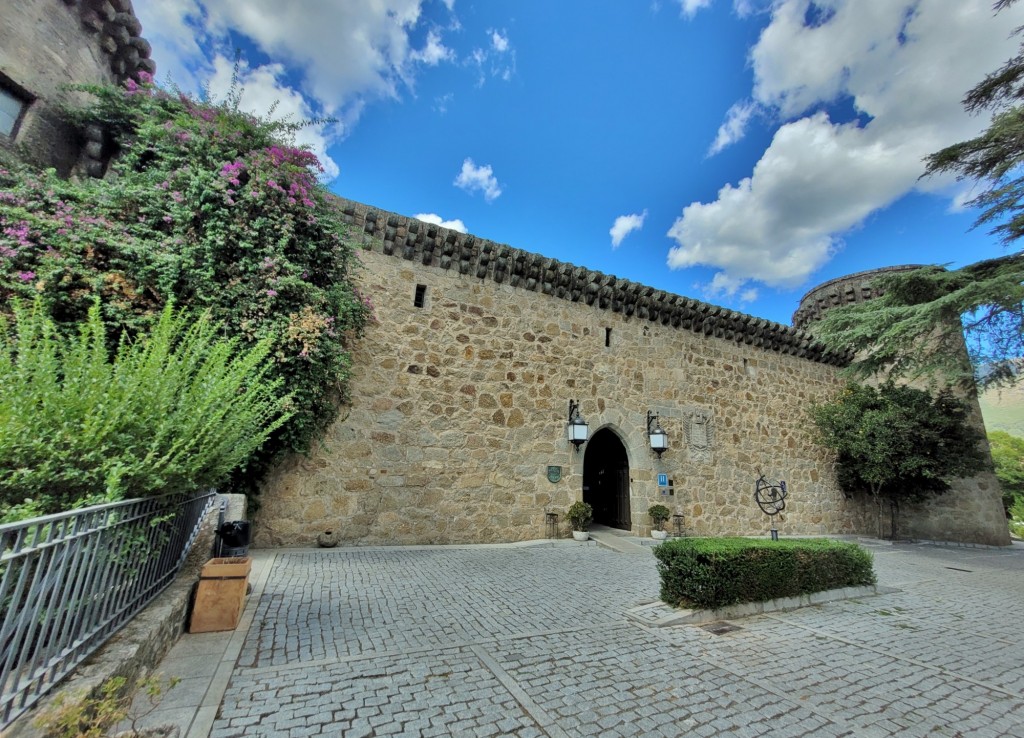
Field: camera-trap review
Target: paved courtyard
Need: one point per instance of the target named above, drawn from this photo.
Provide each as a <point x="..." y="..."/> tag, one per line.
<point x="533" y="641"/>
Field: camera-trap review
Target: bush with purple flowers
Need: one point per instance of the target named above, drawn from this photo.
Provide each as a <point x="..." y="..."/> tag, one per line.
<point x="208" y="207"/>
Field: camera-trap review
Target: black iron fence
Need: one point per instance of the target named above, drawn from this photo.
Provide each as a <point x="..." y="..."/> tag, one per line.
<point x="69" y="581"/>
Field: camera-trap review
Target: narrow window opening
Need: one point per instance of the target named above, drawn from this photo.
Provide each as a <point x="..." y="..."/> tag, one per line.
<point x="607" y="337"/>
<point x="420" y="300"/>
<point x="13" y="103"/>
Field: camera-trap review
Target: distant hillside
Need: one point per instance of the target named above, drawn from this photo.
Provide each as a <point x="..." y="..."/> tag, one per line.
<point x="1004" y="409"/>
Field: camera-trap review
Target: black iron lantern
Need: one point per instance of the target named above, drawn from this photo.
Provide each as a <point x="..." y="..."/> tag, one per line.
<point x="657" y="436"/>
<point x="576" y="429"/>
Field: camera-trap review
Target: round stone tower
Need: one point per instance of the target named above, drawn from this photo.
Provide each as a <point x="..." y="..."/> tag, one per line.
<point x="841" y="291"/>
<point x="972" y="510"/>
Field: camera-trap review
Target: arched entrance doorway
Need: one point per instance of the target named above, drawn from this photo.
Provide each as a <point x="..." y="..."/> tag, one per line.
<point x="606" y="479"/>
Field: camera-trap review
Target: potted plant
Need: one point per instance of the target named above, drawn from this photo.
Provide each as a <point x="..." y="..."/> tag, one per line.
<point x="580" y="515"/>
<point x="659" y="514"/>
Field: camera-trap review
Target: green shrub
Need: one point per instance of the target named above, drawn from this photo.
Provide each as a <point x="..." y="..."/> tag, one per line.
<point x="174" y="411"/>
<point x="580" y="515"/>
<point x="659" y="515"/>
<point x="710" y="573"/>
<point x="92" y="715"/>
<point x="1017" y="517"/>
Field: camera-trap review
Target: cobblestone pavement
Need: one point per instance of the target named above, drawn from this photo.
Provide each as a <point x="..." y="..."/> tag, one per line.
<point x="532" y="641"/>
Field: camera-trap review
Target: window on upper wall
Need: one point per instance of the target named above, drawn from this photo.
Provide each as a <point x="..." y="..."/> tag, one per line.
<point x="420" y="298"/>
<point x="13" y="103"/>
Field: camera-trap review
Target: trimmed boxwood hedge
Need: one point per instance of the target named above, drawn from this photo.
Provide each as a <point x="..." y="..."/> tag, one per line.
<point x="710" y="573"/>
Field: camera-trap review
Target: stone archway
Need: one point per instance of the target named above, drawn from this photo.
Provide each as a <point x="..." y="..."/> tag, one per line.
<point x="606" y="479"/>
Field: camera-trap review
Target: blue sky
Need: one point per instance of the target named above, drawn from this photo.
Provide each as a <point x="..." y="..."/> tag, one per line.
<point x="738" y="152"/>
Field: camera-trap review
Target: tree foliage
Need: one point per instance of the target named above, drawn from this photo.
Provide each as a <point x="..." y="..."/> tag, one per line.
<point x="175" y="410"/>
<point x="908" y="330"/>
<point x="208" y="207"/>
<point x="926" y="317"/>
<point x="1008" y="457"/>
<point x="898" y="443"/>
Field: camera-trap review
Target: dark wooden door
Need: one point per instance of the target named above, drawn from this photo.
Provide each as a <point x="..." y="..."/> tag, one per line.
<point x="622" y="499"/>
<point x="606" y="479"/>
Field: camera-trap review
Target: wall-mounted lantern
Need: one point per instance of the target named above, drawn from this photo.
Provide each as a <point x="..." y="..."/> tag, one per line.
<point x="658" y="437"/>
<point x="576" y="429"/>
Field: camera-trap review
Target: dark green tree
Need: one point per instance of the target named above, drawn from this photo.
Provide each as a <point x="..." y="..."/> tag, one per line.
<point x="907" y="331"/>
<point x="897" y="443"/>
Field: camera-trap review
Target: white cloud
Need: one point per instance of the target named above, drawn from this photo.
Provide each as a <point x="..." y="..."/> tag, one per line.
<point x="342" y="55"/>
<point x="624" y="225"/>
<point x="962" y="196"/>
<point x="734" y="127"/>
<point x="442" y="102"/>
<point x="434" y="52"/>
<point x="723" y="284"/>
<point x="175" y="30"/>
<point x="499" y="60"/>
<point x="689" y="8"/>
<point x="455" y="225"/>
<point x="346" y="50"/>
<point x="905" y="65"/>
<point x="744" y="8"/>
<point x="777" y="226"/>
<point x="727" y="289"/>
<point x="473" y="178"/>
<point x="499" y="42"/>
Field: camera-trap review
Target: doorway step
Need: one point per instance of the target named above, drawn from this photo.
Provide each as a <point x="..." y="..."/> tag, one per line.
<point x="616" y="540"/>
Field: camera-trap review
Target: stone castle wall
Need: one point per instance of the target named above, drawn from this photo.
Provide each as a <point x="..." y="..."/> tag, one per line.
<point x="46" y="45"/>
<point x="459" y="407"/>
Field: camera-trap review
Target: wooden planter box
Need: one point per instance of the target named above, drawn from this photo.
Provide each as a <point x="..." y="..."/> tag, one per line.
<point x="220" y="596"/>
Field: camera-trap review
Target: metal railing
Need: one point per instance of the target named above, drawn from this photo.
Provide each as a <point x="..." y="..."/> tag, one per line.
<point x="69" y="581"/>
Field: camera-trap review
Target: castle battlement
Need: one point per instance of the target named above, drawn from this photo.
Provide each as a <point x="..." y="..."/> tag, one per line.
<point x="433" y="246"/>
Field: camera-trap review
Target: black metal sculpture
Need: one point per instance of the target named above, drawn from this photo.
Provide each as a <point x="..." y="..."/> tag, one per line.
<point x="770" y="496"/>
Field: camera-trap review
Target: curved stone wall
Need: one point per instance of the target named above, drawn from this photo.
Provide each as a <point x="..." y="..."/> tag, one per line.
<point x="841" y="291"/>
